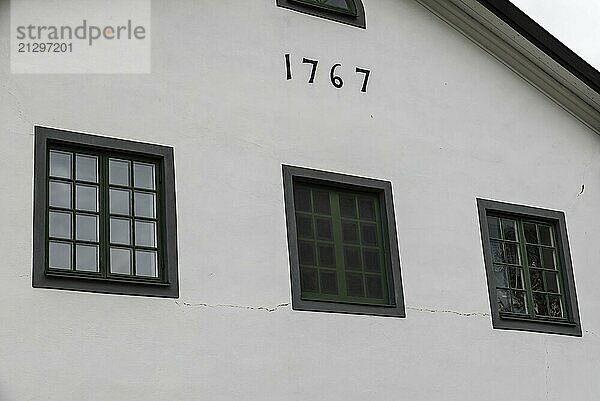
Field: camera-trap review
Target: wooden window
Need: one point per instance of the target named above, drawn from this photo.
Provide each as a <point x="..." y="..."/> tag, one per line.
<point x="340" y="6"/>
<point x="350" y="12"/>
<point x="529" y="269"/>
<point x="104" y="207"/>
<point x="343" y="247"/>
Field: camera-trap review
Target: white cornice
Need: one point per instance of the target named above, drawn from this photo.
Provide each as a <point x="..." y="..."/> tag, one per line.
<point x="504" y="43"/>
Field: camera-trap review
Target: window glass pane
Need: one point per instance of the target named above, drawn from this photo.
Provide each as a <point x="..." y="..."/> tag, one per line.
<point x="519" y="303"/>
<point x="86" y="168"/>
<point x="120" y="201"/>
<point x="530" y="233"/>
<point x="87" y="227"/>
<point x="60" y="225"/>
<point x="60" y="194"/>
<point x="352" y="258"/>
<point x="304" y="226"/>
<point x="350" y="232"/>
<point x="326" y="256"/>
<point x="328" y="282"/>
<point x="86" y="198"/>
<point x="347" y="206"/>
<point x="555" y="306"/>
<point x="509" y="228"/>
<point x="497" y="251"/>
<point x="302" y="202"/>
<point x="309" y="280"/>
<point x="545" y="235"/>
<point x="374" y="287"/>
<point x="354" y="285"/>
<point x="60" y="164"/>
<point x="324" y="229"/>
<point x="321" y="202"/>
<point x="306" y="253"/>
<point x="533" y="256"/>
<point x="143" y="175"/>
<point x="144" y="205"/>
<point x="540" y="304"/>
<point x="366" y="209"/>
<point x="503" y="299"/>
<point x="511" y="253"/>
<point x="537" y="281"/>
<point x="120" y="260"/>
<point x="59" y="255"/>
<point x="120" y="231"/>
<point x="86" y="258"/>
<point x="501" y="276"/>
<point x="118" y="172"/>
<point x="368" y="234"/>
<point x="551" y="282"/>
<point x="494" y="227"/>
<point x="145" y="263"/>
<point x="145" y="233"/>
<point x="371" y="260"/>
<point x="515" y="277"/>
<point x="548" y="258"/>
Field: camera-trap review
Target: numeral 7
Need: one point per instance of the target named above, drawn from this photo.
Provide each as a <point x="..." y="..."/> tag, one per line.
<point x="314" y="68"/>
<point x="367" y="73"/>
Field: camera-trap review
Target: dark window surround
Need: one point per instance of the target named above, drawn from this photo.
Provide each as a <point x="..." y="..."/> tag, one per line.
<point x="557" y="219"/>
<point x="340" y="16"/>
<point x="291" y="175"/>
<point x="169" y="286"/>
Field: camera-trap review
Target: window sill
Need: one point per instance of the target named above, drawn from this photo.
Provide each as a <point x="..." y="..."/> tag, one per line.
<point x="115" y="279"/>
<point x="541" y="320"/>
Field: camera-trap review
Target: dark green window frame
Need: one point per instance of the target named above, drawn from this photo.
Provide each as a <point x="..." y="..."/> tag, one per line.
<point x="349" y="9"/>
<point x="353" y="14"/>
<point x="158" y="276"/>
<point x="342" y="243"/>
<point x="528" y="267"/>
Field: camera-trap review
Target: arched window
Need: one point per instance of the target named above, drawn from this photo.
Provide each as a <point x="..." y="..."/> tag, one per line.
<point x="349" y="12"/>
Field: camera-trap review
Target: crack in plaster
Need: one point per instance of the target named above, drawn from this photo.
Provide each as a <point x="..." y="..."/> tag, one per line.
<point x="466" y="314"/>
<point x="205" y="305"/>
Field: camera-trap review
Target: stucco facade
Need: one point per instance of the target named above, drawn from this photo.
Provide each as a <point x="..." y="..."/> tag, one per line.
<point x="443" y="120"/>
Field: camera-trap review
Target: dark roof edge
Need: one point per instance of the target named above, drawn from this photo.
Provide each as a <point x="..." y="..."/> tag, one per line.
<point x="544" y="40"/>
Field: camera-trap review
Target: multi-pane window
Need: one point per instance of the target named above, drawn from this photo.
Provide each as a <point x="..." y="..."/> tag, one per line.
<point x="104" y="211"/>
<point x="343" y="250"/>
<point x="529" y="269"/>
<point x="77" y="209"/>
<point x="350" y="12"/>
<point x="525" y="267"/>
<point x="340" y="245"/>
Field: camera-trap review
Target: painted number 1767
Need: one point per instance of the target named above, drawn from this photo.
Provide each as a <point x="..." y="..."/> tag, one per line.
<point x="335" y="79"/>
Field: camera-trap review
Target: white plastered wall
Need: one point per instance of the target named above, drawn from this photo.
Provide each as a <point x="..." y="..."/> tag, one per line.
<point x="442" y="120"/>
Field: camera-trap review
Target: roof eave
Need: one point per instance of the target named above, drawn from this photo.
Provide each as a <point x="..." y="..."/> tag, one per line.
<point x="518" y="42"/>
